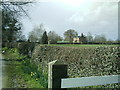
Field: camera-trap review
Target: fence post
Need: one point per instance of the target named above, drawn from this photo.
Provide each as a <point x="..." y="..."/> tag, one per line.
<point x="56" y="72"/>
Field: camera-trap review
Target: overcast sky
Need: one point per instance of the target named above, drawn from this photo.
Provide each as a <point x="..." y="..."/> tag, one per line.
<point x="81" y="15"/>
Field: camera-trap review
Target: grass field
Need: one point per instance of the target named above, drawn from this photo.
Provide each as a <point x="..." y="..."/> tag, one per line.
<point x="83" y="45"/>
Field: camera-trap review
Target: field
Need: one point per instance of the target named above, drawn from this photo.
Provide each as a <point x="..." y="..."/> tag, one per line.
<point x="83" y="45"/>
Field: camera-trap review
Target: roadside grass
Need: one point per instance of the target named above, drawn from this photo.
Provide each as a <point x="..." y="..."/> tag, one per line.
<point x="18" y="73"/>
<point x="29" y="81"/>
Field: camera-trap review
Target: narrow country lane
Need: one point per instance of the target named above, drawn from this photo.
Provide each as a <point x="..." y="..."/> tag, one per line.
<point x="0" y="71"/>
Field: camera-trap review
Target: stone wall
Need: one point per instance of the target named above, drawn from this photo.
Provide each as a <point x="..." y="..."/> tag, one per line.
<point x="82" y="61"/>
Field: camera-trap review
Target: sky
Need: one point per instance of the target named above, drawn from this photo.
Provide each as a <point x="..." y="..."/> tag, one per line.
<point x="81" y="15"/>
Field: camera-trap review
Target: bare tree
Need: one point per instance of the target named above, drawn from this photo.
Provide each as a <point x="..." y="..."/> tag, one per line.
<point x="53" y="37"/>
<point x="89" y="37"/>
<point x="36" y="34"/>
<point x="14" y="8"/>
<point x="45" y="38"/>
<point x="100" y="39"/>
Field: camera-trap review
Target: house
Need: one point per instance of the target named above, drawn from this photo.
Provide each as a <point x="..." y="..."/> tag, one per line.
<point x="63" y="42"/>
<point x="80" y="39"/>
<point x="76" y="39"/>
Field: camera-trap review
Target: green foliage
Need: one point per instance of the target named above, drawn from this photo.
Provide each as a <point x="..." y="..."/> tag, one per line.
<point x="12" y="53"/>
<point x="28" y="67"/>
<point x="32" y="69"/>
<point x="45" y="38"/>
<point x="25" y="47"/>
<point x="10" y="27"/>
<point x="29" y="72"/>
<point x="30" y="82"/>
<point x="70" y="34"/>
<point x="4" y="49"/>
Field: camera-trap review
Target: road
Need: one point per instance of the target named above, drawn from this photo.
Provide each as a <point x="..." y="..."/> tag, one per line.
<point x="0" y="71"/>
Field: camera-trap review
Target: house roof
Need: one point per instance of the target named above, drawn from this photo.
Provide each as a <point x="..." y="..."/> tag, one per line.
<point x="63" y="41"/>
<point x="77" y="37"/>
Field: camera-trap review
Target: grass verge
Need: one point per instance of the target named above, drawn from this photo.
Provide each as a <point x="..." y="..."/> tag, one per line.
<point x="21" y="74"/>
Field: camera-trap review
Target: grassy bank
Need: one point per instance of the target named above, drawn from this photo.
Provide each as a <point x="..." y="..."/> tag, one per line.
<point x="23" y="73"/>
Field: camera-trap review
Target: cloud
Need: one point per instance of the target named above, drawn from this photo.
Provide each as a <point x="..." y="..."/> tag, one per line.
<point x="98" y="13"/>
<point x="98" y="18"/>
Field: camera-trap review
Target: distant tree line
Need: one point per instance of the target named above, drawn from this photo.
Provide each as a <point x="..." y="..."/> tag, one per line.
<point x="39" y="35"/>
<point x="88" y="39"/>
<point x="99" y="39"/>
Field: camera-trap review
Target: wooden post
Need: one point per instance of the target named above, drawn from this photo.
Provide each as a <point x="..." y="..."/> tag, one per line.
<point x="55" y="73"/>
<point x="50" y="74"/>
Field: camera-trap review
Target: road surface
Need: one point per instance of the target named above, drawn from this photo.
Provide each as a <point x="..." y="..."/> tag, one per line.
<point x="0" y="71"/>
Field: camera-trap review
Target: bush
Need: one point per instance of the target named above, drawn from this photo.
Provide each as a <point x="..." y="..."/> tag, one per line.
<point x="4" y="49"/>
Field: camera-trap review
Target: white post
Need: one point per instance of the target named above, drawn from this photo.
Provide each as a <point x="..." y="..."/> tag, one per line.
<point x="50" y="73"/>
<point x="56" y="71"/>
